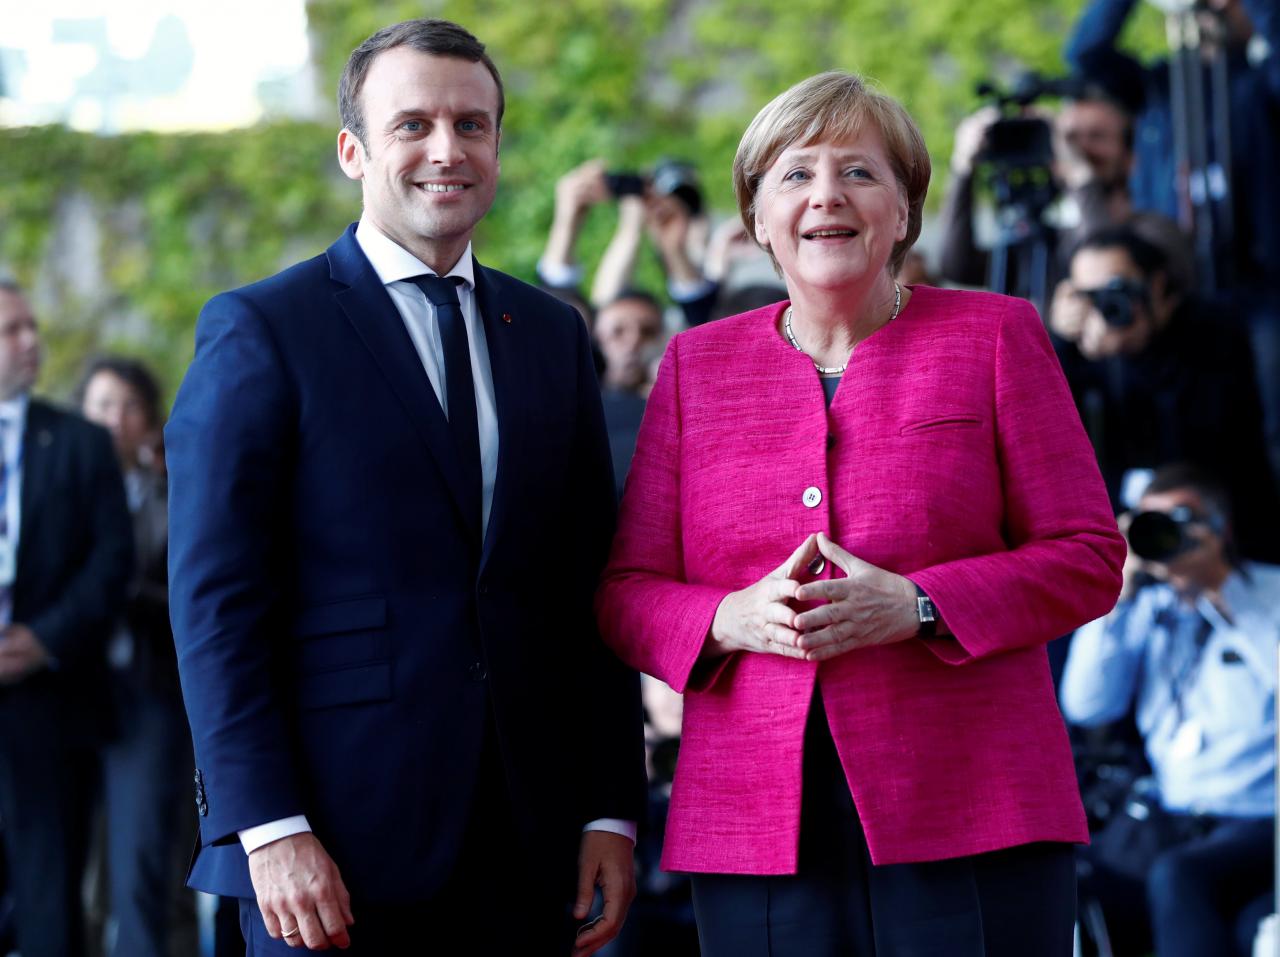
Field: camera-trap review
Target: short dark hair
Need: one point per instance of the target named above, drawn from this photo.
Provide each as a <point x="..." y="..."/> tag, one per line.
<point x="436" y="37"/>
<point x="1146" y="255"/>
<point x="9" y="285"/>
<point x="132" y="373"/>
<point x="631" y="294"/>
<point x="1211" y="491"/>
<point x="1185" y="475"/>
<point x="1092" y="92"/>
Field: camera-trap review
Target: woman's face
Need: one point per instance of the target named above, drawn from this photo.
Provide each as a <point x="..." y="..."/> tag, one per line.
<point x="112" y="403"/>
<point x="831" y="211"/>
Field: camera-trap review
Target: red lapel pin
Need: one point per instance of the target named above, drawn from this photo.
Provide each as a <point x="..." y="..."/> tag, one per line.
<point x="506" y="317"/>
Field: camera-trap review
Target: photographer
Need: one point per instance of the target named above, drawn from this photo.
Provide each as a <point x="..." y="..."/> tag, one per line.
<point x="1091" y="155"/>
<point x="1246" y="33"/>
<point x="667" y="204"/>
<point x="1253" y="88"/>
<point x="1160" y="376"/>
<point x="1192" y="646"/>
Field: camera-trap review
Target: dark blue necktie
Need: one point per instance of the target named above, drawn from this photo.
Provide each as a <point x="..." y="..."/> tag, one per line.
<point x="460" y="390"/>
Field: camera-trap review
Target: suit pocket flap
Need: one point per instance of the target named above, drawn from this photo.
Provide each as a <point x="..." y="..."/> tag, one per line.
<point x="358" y="614"/>
<point x="939" y="422"/>
<point x="328" y="689"/>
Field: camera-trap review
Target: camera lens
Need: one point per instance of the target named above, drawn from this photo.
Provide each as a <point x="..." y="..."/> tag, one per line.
<point x="1155" y="536"/>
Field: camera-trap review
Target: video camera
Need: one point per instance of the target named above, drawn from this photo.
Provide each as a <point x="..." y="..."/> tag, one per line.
<point x="669" y="177"/>
<point x="1018" y="152"/>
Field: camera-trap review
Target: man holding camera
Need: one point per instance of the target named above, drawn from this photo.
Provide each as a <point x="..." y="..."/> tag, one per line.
<point x="1159" y="376"/>
<point x="1089" y="145"/>
<point x="1191" y="646"/>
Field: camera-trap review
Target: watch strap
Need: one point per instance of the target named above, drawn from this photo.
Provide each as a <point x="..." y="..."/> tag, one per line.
<point x="926" y="613"/>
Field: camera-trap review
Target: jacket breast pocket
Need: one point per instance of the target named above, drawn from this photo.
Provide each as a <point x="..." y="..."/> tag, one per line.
<point x="943" y="423"/>
<point x="342" y="653"/>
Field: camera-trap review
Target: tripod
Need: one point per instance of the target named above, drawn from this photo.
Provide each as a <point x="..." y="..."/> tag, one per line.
<point x="1198" y="96"/>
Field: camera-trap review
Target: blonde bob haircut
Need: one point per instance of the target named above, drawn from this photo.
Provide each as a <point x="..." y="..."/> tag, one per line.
<point x="834" y="106"/>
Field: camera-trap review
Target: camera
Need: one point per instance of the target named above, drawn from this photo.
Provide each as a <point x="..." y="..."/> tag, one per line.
<point x="1162" y="536"/>
<point x="1115" y="301"/>
<point x="668" y="178"/>
<point x="1018" y="152"/>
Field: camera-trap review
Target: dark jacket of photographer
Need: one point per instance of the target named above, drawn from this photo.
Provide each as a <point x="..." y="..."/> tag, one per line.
<point x="1189" y="396"/>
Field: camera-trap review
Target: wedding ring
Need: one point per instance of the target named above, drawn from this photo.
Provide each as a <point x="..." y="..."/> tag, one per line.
<point x="289" y="933"/>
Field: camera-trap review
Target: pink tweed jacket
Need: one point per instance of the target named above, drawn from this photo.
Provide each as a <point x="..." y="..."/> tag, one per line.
<point x="952" y="454"/>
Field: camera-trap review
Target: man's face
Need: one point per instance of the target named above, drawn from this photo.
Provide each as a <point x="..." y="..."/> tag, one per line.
<point x="19" y="346"/>
<point x="1198" y="568"/>
<point x="1093" y="269"/>
<point x="431" y="169"/>
<point x="115" y="405"/>
<point x="1095" y="133"/>
<point x="626" y="330"/>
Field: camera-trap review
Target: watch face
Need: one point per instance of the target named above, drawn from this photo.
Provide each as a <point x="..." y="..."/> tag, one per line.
<point x="924" y="608"/>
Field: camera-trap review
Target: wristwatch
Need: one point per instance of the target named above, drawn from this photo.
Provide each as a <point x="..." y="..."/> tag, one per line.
<point x="927" y="614"/>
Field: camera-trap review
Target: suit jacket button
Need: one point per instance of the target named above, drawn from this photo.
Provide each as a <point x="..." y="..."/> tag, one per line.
<point x="831" y="442"/>
<point x="812" y="497"/>
<point x="476" y="672"/>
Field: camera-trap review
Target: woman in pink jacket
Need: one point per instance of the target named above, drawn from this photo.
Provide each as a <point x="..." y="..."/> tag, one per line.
<point x="852" y="523"/>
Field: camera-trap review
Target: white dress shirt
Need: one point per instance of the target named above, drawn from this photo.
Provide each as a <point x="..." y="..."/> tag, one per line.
<point x="395" y="265"/>
<point x="13" y="414"/>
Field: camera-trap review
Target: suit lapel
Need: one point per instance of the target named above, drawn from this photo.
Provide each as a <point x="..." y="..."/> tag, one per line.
<point x="38" y="451"/>
<point x="378" y="324"/>
<point x="504" y="335"/>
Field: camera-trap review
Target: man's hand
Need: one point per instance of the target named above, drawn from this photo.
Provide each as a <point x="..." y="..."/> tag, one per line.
<point x="21" y="654"/>
<point x="300" y="893"/>
<point x="605" y="860"/>
<point x="971" y="137"/>
<point x="1068" y="311"/>
<point x="581" y="188"/>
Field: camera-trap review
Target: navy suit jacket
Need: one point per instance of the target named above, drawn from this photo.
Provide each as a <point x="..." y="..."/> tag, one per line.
<point x="75" y="556"/>
<point x="341" y="629"/>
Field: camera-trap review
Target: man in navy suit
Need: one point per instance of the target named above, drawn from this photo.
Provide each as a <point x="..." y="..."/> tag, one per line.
<point x="66" y="554"/>
<point x="390" y="498"/>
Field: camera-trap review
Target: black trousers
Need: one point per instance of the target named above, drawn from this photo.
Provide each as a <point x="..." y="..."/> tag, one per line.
<point x="47" y="786"/>
<point x="1189" y="885"/>
<point x="1010" y="903"/>
<point x="497" y="903"/>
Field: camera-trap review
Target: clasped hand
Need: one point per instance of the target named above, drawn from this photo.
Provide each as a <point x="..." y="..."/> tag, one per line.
<point x="869" y="606"/>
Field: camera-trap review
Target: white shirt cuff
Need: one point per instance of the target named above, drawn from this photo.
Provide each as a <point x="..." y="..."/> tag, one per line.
<point x="252" y="838"/>
<point x="559" y="275"/>
<point x="689" y="289"/>
<point x="614" y="826"/>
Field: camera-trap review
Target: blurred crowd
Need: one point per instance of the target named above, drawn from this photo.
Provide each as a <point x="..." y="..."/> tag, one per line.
<point x="1151" y="244"/>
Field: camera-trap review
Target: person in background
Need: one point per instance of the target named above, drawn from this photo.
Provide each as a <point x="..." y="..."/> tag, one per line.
<point x="66" y="555"/>
<point x="1248" y="32"/>
<point x="1093" y="151"/>
<point x="853" y="521"/>
<point x="1192" y="646"/>
<point x="674" y="227"/>
<point x="628" y="330"/>
<point x="1162" y="375"/>
<point x="146" y="765"/>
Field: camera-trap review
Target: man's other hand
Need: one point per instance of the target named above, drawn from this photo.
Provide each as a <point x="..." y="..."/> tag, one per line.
<point x="21" y="653"/>
<point x="300" y="893"/>
<point x="605" y="860"/>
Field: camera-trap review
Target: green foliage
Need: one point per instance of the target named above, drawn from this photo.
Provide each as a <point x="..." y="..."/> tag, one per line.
<point x="629" y="80"/>
<point x="181" y="218"/>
